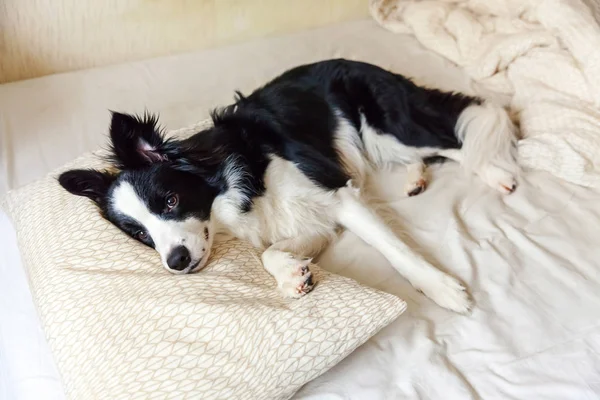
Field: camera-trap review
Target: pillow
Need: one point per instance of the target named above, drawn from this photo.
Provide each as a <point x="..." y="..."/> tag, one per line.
<point x="120" y="326"/>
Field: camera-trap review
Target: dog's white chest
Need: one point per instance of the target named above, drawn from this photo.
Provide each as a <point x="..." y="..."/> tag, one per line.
<point x="291" y="206"/>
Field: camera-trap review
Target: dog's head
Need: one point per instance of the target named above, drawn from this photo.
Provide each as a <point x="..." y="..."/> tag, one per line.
<point x="155" y="196"/>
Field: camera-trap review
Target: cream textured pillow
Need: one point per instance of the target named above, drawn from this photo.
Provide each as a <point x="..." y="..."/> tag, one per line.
<point x="121" y="327"/>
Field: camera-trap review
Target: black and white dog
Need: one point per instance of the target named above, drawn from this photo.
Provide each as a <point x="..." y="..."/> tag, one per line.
<point x="283" y="168"/>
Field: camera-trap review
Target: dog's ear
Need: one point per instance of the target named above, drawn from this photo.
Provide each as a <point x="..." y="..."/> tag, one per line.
<point x="87" y="182"/>
<point x="136" y="141"/>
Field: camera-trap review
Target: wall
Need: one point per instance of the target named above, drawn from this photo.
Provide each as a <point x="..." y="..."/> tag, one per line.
<point x="41" y="37"/>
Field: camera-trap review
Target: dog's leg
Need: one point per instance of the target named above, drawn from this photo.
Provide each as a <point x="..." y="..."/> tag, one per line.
<point x="489" y="145"/>
<point x="362" y="221"/>
<point x="415" y="179"/>
<point x="288" y="262"/>
<point x="494" y="176"/>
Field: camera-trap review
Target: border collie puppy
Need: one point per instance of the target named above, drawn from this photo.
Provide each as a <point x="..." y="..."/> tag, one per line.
<point x="283" y="168"/>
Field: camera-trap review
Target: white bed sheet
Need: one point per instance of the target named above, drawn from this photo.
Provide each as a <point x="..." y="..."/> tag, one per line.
<point x="532" y="262"/>
<point x="530" y="259"/>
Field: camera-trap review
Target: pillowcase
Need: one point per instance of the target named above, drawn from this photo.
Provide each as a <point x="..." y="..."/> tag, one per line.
<point x="120" y="326"/>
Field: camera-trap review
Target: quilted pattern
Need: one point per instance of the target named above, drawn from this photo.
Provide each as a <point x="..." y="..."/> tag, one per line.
<point x="121" y="327"/>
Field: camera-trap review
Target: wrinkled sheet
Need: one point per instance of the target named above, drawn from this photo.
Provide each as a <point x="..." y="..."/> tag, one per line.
<point x="530" y="259"/>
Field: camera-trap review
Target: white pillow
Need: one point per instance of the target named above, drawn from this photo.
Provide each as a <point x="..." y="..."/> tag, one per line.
<point x="120" y="326"/>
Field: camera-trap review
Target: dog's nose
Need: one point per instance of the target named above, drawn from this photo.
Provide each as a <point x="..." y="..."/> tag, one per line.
<point x="179" y="259"/>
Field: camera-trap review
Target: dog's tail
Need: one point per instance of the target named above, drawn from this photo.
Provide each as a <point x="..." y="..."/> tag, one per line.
<point x="488" y="137"/>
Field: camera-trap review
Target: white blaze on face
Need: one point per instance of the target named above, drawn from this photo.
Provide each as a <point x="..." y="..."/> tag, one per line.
<point x="166" y="234"/>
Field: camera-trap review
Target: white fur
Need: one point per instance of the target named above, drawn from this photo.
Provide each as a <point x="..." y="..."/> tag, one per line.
<point x="488" y="139"/>
<point x="293" y="219"/>
<point x="227" y="206"/>
<point x="351" y="150"/>
<point x="357" y="217"/>
<point x="166" y="234"/>
<point x="292" y="206"/>
<point x="382" y="148"/>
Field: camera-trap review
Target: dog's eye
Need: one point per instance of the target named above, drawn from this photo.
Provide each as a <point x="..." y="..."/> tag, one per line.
<point x="172" y="201"/>
<point x="142" y="235"/>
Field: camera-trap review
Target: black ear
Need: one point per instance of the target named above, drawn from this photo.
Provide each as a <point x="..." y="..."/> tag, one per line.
<point x="136" y="141"/>
<point x="87" y="182"/>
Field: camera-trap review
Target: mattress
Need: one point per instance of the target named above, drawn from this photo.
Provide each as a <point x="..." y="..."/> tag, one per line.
<point x="530" y="259"/>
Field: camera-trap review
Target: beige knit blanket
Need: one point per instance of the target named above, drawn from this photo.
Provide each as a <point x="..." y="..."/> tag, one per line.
<point x="541" y="57"/>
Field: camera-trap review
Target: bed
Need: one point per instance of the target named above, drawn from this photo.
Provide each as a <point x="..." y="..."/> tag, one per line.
<point x="529" y="259"/>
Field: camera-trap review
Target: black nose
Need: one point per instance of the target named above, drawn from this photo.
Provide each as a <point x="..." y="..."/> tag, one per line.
<point x="179" y="259"/>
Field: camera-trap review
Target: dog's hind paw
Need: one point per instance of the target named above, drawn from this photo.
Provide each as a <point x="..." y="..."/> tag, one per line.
<point x="415" y="179"/>
<point x="499" y="179"/>
<point x="415" y="188"/>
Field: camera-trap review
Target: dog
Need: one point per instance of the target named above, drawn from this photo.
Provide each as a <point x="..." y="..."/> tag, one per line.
<point x="283" y="168"/>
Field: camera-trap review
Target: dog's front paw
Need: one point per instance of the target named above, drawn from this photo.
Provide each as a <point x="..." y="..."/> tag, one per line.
<point x="296" y="280"/>
<point x="448" y="293"/>
<point x="292" y="274"/>
<point x="299" y="280"/>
